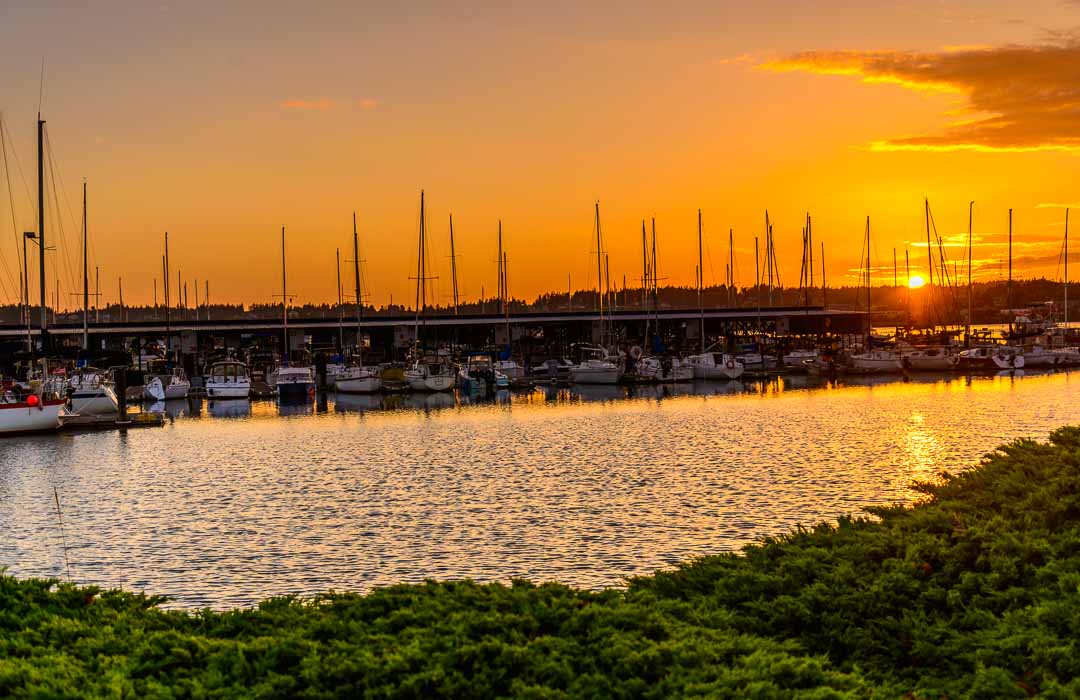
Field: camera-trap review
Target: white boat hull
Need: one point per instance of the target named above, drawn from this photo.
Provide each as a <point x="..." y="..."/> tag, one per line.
<point x="22" y="418"/>
<point x="358" y="385"/>
<point x="230" y="390"/>
<point x="94" y="402"/>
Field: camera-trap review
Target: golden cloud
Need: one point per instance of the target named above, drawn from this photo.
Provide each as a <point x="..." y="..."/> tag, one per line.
<point x="1019" y="98"/>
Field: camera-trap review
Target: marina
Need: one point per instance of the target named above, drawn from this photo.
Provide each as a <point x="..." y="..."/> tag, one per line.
<point x="235" y="500"/>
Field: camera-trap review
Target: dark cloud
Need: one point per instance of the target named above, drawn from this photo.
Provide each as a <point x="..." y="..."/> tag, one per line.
<point x="1019" y="98"/>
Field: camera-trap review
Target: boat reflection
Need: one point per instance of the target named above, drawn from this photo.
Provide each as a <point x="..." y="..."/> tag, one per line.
<point x="357" y="403"/>
<point x="229" y="408"/>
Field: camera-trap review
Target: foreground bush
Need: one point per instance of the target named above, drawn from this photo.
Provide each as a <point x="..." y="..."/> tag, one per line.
<point x="974" y="593"/>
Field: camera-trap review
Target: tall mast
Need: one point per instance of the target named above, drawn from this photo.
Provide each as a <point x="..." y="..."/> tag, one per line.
<point x="1008" y="289"/>
<point x="85" y="282"/>
<point x="165" y="277"/>
<point x="1066" y="267"/>
<point x="930" y="261"/>
<point x="340" y="313"/>
<point x="284" y="303"/>
<point x="810" y="245"/>
<point x="506" y="293"/>
<point x="499" y="271"/>
<point x="731" y="265"/>
<point x="967" y="331"/>
<point x="599" y="272"/>
<point x="356" y="280"/>
<point x="757" y="282"/>
<point x="907" y="273"/>
<point x="420" y="273"/>
<point x="453" y="264"/>
<point x="120" y="286"/>
<point x="41" y="233"/>
<point x="869" y="313"/>
<point x="701" y="277"/>
<point x="645" y="284"/>
<point x="655" y="280"/>
<point x="768" y="253"/>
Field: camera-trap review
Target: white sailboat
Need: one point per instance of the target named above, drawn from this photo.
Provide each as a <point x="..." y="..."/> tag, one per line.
<point x="358" y="379"/>
<point x="715" y="365"/>
<point x="430" y="372"/>
<point x="595" y="368"/>
<point x="28" y="411"/>
<point x="174" y="385"/>
<point x="92" y="394"/>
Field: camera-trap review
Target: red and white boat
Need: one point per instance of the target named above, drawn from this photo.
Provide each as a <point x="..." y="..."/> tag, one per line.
<point x="22" y="411"/>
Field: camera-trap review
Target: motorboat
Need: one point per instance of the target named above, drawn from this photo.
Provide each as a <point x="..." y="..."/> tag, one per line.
<point x="875" y="362"/>
<point x="991" y="358"/>
<point x="228" y="380"/>
<point x="92" y="393"/>
<point x="478" y="375"/>
<point x="295" y="383"/>
<point x="24" y="410"/>
<point x="174" y="385"/>
<point x="511" y="369"/>
<point x="716" y="365"/>
<point x="755" y="362"/>
<point x="796" y="359"/>
<point x="357" y="380"/>
<point x="932" y="359"/>
<point x="430" y="373"/>
<point x="597" y="368"/>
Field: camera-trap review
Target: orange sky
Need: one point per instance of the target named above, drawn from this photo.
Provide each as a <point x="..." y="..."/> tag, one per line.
<point x="222" y="123"/>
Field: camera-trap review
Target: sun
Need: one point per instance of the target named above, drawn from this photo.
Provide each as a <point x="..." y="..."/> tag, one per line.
<point x="916" y="282"/>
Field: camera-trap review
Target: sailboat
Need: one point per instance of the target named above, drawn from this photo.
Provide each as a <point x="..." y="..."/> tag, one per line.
<point x="872" y="361"/>
<point x="596" y="366"/>
<point x="709" y="364"/>
<point x="356" y="378"/>
<point x="40" y="407"/>
<point x="293" y="383"/>
<point x="431" y="372"/>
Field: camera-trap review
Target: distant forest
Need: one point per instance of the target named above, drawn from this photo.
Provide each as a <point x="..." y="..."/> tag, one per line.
<point x="891" y="305"/>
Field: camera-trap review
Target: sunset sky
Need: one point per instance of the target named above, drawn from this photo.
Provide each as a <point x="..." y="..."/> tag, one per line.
<point x="221" y="122"/>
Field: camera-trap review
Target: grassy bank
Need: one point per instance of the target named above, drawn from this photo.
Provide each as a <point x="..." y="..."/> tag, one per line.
<point x="975" y="593"/>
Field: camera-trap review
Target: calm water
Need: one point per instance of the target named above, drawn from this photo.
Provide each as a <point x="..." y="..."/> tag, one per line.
<point x="232" y="502"/>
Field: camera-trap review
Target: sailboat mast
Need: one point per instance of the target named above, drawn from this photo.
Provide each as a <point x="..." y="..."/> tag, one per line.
<point x="499" y="270"/>
<point x="907" y="273"/>
<point x="356" y="279"/>
<point x="165" y="277"/>
<point x="41" y="233"/>
<point x="967" y="332"/>
<point x="1066" y="267"/>
<point x="655" y="280"/>
<point x="930" y="261"/>
<point x="1008" y="289"/>
<point x="810" y="246"/>
<point x="85" y="282"/>
<point x="284" y="303"/>
<point x="869" y="313"/>
<point x="731" y="266"/>
<point x="453" y="264"/>
<point x="419" y="271"/>
<point x="340" y="314"/>
<point x="599" y="272"/>
<point x="701" y="276"/>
